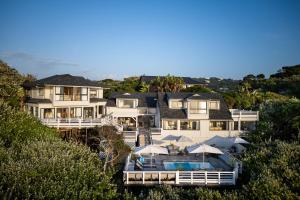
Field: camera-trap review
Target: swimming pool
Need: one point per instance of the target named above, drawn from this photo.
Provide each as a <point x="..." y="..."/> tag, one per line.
<point x="186" y="165"/>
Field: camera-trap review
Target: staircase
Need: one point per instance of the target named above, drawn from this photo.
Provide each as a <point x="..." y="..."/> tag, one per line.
<point x="130" y="138"/>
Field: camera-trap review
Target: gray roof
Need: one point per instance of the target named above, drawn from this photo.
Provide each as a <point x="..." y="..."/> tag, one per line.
<point x="144" y="99"/>
<point x="150" y="99"/>
<point x="95" y="100"/>
<point x="166" y="112"/>
<point x="35" y="100"/>
<point x="66" y="79"/>
<point x="186" y="80"/>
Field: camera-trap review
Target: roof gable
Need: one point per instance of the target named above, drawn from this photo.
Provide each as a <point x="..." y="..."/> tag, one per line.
<point x="66" y="79"/>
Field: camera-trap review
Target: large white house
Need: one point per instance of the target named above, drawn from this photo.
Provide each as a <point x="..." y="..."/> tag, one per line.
<point x="66" y="101"/>
<point x="71" y="102"/>
<point x="167" y="116"/>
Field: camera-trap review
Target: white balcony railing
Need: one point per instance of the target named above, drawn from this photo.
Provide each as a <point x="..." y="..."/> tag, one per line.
<point x="243" y="112"/>
<point x="179" y="177"/>
<point x="156" y="177"/>
<point x="80" y="123"/>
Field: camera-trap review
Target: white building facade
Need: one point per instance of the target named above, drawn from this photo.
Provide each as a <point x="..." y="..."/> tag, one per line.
<point x="65" y="101"/>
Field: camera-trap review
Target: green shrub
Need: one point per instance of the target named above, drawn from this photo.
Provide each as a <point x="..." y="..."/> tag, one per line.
<point x="18" y="127"/>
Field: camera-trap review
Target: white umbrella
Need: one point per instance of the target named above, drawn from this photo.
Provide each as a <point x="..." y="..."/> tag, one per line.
<point x="238" y="140"/>
<point x="157" y="142"/>
<point x="184" y="139"/>
<point x="203" y="148"/>
<point x="170" y="138"/>
<point x="151" y="149"/>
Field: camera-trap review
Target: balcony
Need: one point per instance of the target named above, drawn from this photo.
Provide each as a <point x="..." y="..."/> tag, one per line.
<point x="245" y="114"/>
<point x="80" y="123"/>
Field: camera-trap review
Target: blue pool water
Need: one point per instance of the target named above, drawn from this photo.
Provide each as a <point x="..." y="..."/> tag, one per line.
<point x="187" y="166"/>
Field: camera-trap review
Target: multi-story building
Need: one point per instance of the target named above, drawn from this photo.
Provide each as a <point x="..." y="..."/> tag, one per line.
<point x="167" y="116"/>
<point x="65" y="101"/>
<point x="183" y="119"/>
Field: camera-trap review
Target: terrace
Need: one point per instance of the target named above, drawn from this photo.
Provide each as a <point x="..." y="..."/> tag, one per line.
<point x="215" y="170"/>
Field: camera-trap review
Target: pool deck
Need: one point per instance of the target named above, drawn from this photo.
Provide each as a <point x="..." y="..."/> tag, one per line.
<point x="157" y="162"/>
<point x="155" y="173"/>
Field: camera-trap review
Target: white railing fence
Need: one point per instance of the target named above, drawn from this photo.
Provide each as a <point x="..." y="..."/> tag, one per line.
<point x="82" y="123"/>
<point x="180" y="177"/>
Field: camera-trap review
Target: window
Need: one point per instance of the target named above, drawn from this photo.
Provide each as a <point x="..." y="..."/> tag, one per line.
<point x="84" y="94"/>
<point x="47" y="113"/>
<point x="236" y="126"/>
<point x="126" y="103"/>
<point x="59" y="94"/>
<point x="218" y="125"/>
<point x="190" y="125"/>
<point x="41" y="92"/>
<point x="176" y="104"/>
<point x="170" y="124"/>
<point x="75" y="112"/>
<point x="88" y="112"/>
<point x="100" y="110"/>
<point x="93" y="93"/>
<point x="214" y="105"/>
<point x="198" y="107"/>
<point x="62" y="113"/>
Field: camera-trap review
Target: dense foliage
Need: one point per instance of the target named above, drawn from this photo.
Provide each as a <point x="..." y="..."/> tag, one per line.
<point x="278" y="120"/>
<point x="36" y="164"/>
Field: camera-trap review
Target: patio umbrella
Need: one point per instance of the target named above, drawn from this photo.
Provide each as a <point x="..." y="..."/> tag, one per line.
<point x="157" y="142"/>
<point x="184" y="139"/>
<point x="219" y="141"/>
<point x="170" y="138"/>
<point x="238" y="140"/>
<point x="203" y="148"/>
<point x="151" y="149"/>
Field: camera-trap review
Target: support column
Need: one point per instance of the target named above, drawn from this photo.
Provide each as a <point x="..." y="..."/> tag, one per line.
<point x="178" y="125"/>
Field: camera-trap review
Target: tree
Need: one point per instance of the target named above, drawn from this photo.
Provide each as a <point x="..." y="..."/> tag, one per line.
<point x="110" y="144"/>
<point x="197" y="89"/>
<point x="249" y="77"/>
<point x="11" y="89"/>
<point x="260" y="76"/>
<point x="36" y="164"/>
<point x="166" y="84"/>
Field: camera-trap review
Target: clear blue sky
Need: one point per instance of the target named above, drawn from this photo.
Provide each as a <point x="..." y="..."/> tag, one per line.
<point x="113" y="39"/>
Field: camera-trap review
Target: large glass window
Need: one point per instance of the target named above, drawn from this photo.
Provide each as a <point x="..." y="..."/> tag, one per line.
<point x="126" y="103"/>
<point x="88" y="112"/>
<point x="62" y="113"/>
<point x="176" y="104"/>
<point x="214" y="105"/>
<point x="170" y="124"/>
<point x="218" y="125"/>
<point x="198" y="107"/>
<point x="93" y="93"/>
<point x="71" y="94"/>
<point x="190" y="125"/>
<point x="47" y="113"/>
<point x="75" y="112"/>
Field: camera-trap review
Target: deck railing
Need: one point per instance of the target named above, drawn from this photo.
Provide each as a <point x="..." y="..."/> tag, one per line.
<point x="80" y="123"/>
<point x="244" y="112"/>
<point x="179" y="177"/>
